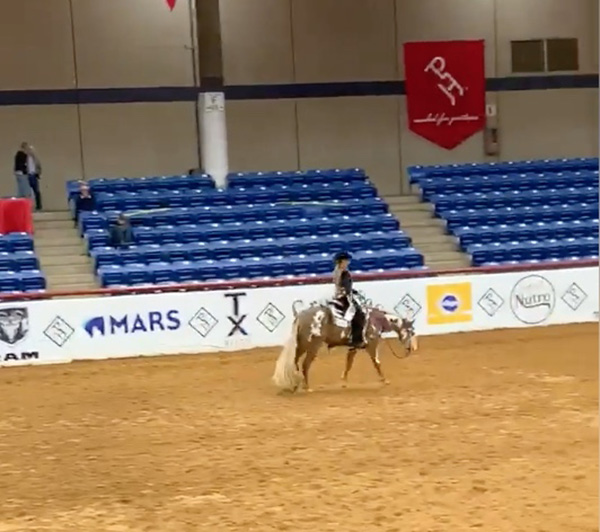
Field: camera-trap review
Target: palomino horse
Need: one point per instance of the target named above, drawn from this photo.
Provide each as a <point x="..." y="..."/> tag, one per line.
<point x="318" y="325"/>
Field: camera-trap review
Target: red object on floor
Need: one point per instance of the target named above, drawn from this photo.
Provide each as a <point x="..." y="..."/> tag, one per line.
<point x="15" y="216"/>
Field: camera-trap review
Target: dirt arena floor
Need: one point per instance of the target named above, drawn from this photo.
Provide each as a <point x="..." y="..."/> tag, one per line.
<point x="493" y="431"/>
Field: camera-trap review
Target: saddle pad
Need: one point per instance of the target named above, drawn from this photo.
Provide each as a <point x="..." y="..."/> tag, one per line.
<point x="341" y="322"/>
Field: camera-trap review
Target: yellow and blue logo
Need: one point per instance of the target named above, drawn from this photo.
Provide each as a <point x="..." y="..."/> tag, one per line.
<point x="449" y="303"/>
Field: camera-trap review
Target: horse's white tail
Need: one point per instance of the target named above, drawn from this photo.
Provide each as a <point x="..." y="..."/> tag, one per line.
<point x="285" y="376"/>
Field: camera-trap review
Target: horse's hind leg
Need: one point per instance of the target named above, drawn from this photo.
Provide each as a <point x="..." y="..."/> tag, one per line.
<point x="372" y="349"/>
<point x="300" y="350"/>
<point x="311" y="354"/>
<point x="350" y="355"/>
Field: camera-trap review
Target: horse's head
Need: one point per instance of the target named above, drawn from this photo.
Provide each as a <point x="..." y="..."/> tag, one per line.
<point x="405" y="329"/>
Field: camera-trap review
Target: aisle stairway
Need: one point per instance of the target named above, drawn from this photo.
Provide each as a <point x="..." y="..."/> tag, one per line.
<point x="62" y="254"/>
<point x="441" y="251"/>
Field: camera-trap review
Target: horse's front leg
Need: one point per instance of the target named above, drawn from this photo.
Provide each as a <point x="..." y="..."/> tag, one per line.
<point x="350" y="355"/>
<point x="373" y="351"/>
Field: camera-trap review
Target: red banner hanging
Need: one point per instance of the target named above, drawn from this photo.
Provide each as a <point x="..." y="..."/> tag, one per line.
<point x="445" y="90"/>
<point x="171" y="4"/>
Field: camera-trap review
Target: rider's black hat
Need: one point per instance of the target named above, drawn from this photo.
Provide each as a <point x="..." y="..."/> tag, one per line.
<point x="342" y="255"/>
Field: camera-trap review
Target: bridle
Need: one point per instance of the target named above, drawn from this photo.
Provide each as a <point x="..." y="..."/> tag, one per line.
<point x="406" y="342"/>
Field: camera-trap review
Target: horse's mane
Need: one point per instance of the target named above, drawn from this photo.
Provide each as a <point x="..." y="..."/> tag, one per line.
<point x="379" y="319"/>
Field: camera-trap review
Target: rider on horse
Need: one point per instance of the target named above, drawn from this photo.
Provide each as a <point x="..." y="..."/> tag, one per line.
<point x="343" y="295"/>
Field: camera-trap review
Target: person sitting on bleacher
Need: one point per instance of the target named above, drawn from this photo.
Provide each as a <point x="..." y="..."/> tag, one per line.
<point x="85" y="201"/>
<point x="121" y="235"/>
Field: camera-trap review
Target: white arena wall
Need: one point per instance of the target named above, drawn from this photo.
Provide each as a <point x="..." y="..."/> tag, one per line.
<point x="242" y="315"/>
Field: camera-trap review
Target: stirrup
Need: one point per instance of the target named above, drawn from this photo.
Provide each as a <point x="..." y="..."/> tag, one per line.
<point x="358" y="345"/>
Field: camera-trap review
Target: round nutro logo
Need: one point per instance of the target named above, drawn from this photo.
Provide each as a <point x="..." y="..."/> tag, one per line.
<point x="449" y="303"/>
<point x="532" y="299"/>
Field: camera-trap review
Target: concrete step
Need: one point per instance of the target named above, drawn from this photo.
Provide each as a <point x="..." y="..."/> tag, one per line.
<point x="423" y="223"/>
<point x="53" y="237"/>
<point x="68" y="268"/>
<point x="46" y="225"/>
<point x="425" y="239"/>
<point x="435" y="247"/>
<point x="62" y="253"/>
<point x="429" y="232"/>
<point x="449" y="264"/>
<point x="419" y="209"/>
<point x="458" y="258"/>
<point x="51" y="216"/>
<point x="73" y="287"/>
<point x="446" y="265"/>
<point x="64" y="250"/>
<point x="64" y="259"/>
<point x="443" y="255"/>
<point x="70" y="279"/>
<point x="412" y="217"/>
<point x="402" y="200"/>
<point x="411" y="207"/>
<point x="52" y="243"/>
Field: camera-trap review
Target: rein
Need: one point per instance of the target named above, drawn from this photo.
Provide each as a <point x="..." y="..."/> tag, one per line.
<point x="394" y="352"/>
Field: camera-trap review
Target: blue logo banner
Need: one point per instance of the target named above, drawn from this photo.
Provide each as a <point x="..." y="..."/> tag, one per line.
<point x="146" y="322"/>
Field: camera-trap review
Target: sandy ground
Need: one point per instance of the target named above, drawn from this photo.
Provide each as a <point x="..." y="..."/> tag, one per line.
<point x="494" y="431"/>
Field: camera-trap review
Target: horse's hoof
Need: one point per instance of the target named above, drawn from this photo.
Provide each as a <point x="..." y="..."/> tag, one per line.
<point x="385" y="382"/>
<point x="344" y="384"/>
<point x="309" y="390"/>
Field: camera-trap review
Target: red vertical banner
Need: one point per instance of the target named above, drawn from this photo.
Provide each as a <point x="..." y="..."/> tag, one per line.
<point x="445" y="90"/>
<point x="171" y="4"/>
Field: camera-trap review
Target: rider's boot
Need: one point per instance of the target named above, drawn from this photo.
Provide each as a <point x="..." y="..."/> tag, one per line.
<point x="356" y="340"/>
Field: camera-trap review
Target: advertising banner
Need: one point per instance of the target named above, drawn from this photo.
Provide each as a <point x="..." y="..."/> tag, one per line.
<point x="51" y="331"/>
<point x="445" y="90"/>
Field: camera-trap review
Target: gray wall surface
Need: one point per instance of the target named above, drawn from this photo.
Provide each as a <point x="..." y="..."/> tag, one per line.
<point x="139" y="43"/>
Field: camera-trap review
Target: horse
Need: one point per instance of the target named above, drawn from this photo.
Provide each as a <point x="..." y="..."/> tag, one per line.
<point x="322" y="324"/>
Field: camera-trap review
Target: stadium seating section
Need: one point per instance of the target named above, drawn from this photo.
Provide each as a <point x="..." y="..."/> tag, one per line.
<point x="282" y="224"/>
<point x="19" y="266"/>
<point x="262" y="225"/>
<point x="508" y="213"/>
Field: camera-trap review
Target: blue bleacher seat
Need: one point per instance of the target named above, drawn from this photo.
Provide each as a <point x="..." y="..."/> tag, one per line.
<point x="529" y="211"/>
<point x="509" y="215"/>
<point x="123" y="184"/>
<point x="520" y="232"/>
<point x="190" y="233"/>
<point x="118" y="273"/>
<point x="533" y="250"/>
<point x="280" y="224"/>
<point x="418" y="173"/>
<point x="32" y="280"/>
<point x="149" y="199"/>
<point x="249" y="248"/>
<point x="19" y="265"/>
<point x="10" y="282"/>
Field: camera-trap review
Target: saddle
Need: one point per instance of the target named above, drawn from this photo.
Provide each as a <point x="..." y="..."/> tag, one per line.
<point x="340" y="317"/>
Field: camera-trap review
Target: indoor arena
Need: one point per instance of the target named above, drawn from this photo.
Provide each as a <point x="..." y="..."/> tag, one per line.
<point x="205" y="202"/>
<point x="482" y="431"/>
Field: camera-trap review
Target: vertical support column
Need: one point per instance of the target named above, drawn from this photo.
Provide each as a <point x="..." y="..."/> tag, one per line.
<point x="213" y="125"/>
<point x="213" y="136"/>
<point x="491" y="140"/>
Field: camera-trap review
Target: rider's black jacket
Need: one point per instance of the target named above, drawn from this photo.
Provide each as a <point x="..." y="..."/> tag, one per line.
<point x="343" y="284"/>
